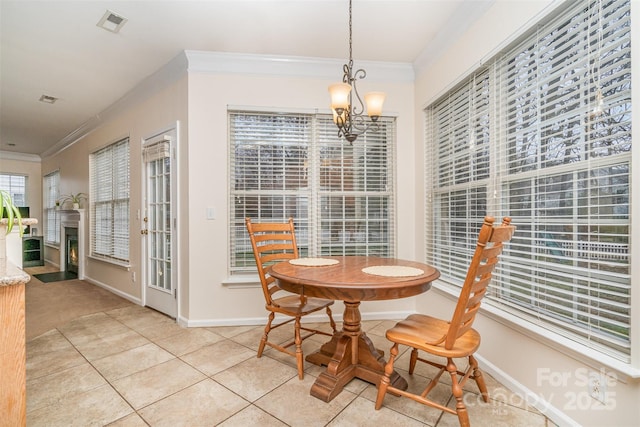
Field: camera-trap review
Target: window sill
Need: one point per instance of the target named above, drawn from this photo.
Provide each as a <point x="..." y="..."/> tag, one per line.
<point x="123" y="265"/>
<point x="241" y="281"/>
<point x="564" y="345"/>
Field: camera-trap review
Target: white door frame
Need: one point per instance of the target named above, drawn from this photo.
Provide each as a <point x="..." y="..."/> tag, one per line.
<point x="175" y="247"/>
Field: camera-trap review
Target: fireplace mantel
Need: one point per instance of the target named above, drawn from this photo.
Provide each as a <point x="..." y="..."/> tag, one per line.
<point x="73" y="218"/>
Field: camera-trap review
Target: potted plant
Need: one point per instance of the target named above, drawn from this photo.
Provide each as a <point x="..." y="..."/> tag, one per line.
<point x="9" y="210"/>
<point x="74" y="199"/>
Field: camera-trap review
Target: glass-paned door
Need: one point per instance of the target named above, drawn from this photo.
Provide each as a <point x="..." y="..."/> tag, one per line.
<point x="158" y="236"/>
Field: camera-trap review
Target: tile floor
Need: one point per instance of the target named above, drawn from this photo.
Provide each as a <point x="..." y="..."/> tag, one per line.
<point x="132" y="366"/>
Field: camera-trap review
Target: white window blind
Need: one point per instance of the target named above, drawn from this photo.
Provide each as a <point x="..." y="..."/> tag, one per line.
<point x="50" y="194"/>
<point x="156" y="150"/>
<point x="355" y="212"/>
<point x="109" y="170"/>
<point x="16" y="186"/>
<point x="294" y="165"/>
<point x="533" y="149"/>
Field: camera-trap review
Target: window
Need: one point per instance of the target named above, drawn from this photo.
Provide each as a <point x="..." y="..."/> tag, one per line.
<point x="341" y="196"/>
<point x="109" y="172"/>
<point x="523" y="137"/>
<point x="16" y="186"/>
<point x="50" y="194"/>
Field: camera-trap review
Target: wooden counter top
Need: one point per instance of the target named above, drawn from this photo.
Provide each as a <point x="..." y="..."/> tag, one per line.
<point x="13" y="356"/>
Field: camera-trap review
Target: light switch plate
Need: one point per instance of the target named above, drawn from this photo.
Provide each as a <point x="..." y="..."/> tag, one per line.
<point x="211" y="213"/>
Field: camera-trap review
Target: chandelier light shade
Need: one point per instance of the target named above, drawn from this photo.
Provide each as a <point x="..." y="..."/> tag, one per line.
<point x="374" y="101"/>
<point x="346" y="104"/>
<point x="340" y="96"/>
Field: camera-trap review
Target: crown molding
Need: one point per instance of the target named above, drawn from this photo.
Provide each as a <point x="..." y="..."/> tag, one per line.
<point x="23" y="157"/>
<point x="293" y="66"/>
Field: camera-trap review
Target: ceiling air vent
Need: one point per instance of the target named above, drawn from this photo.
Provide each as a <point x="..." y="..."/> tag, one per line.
<point x="48" y="99"/>
<point x="112" y="21"/>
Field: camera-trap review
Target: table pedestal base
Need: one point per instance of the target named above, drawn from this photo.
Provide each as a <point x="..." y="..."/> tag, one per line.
<point x="349" y="354"/>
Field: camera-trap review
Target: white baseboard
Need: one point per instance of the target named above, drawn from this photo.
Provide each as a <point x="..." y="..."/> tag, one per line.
<point x="52" y="264"/>
<point x="527" y="395"/>
<point x="238" y="321"/>
<point x="182" y="321"/>
<point x="118" y="292"/>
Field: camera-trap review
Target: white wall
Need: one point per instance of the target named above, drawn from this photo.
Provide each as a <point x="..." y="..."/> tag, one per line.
<point x="156" y="105"/>
<point x="544" y="372"/>
<point x="262" y="86"/>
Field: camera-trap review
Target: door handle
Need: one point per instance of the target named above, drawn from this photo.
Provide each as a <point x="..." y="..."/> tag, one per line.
<point x="145" y="232"/>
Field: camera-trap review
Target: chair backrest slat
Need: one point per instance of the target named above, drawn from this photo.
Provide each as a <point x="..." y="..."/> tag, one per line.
<point x="480" y="285"/>
<point x="476" y="299"/>
<point x="267" y="258"/>
<point x="274" y="237"/>
<point x="487" y="267"/>
<point x="493" y="252"/>
<point x="484" y="260"/>
<point x="271" y="242"/>
<point x="502" y="234"/>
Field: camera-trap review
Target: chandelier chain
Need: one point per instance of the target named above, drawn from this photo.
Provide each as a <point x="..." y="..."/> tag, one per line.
<point x="347" y="106"/>
<point x="350" y="35"/>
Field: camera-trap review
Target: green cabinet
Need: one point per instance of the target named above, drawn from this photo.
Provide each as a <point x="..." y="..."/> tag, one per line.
<point x="32" y="251"/>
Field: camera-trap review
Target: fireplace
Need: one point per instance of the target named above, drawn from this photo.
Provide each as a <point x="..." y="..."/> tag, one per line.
<point x="71" y="248"/>
<point x="72" y="252"/>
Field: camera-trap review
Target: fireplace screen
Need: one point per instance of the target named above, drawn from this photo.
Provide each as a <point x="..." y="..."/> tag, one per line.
<point x="71" y="245"/>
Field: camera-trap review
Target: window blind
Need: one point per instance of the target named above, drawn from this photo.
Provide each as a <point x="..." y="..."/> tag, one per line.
<point x="109" y="173"/>
<point x="156" y="150"/>
<point x="293" y="165"/>
<point x="50" y="195"/>
<point x="458" y="126"/>
<point x="16" y="186"/>
<point x="558" y="166"/>
<point x="355" y="212"/>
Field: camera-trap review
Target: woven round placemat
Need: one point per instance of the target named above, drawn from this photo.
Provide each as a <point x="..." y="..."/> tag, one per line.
<point x="393" y="271"/>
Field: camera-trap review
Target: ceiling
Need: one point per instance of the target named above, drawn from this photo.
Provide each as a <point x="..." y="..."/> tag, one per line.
<point x="55" y="48"/>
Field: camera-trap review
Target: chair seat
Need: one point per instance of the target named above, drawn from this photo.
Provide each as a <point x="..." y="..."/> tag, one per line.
<point x="419" y="329"/>
<point x="292" y="304"/>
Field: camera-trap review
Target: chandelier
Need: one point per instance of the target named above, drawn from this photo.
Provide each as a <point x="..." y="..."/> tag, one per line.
<point x="346" y="104"/>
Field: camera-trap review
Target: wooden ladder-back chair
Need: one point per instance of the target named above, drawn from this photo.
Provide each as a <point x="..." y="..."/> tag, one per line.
<point x="453" y="339"/>
<point x="274" y="242"/>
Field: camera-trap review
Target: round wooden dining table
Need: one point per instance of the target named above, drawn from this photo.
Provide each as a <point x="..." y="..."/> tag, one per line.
<point x="352" y="279"/>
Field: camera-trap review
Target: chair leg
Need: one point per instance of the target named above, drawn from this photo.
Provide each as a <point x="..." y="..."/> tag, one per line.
<point x="461" y="410"/>
<point x="386" y="379"/>
<point x="477" y="375"/>
<point x="333" y="324"/>
<point x="413" y="360"/>
<point x="265" y="335"/>
<point x="299" y="355"/>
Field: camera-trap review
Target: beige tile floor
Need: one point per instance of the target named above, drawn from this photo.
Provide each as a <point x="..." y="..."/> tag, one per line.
<point x="131" y="366"/>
